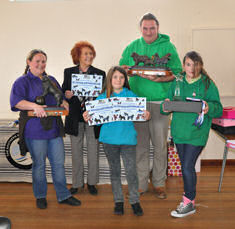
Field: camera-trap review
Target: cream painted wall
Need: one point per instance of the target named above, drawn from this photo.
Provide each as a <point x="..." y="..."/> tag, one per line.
<point x="109" y="24"/>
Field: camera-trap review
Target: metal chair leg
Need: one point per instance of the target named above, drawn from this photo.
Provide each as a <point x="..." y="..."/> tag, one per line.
<point x="223" y="166"/>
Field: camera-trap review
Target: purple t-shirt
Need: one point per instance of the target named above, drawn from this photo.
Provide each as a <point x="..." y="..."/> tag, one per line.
<point x="28" y="87"/>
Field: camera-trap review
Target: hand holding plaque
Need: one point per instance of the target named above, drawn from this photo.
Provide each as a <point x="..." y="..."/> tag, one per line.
<point x="154" y="66"/>
<point x="50" y="87"/>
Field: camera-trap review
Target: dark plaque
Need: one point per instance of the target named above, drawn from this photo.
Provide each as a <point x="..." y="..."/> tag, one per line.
<point x="154" y="66"/>
<point x="183" y="106"/>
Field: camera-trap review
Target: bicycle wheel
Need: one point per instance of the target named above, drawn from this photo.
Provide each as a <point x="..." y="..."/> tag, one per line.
<point x="13" y="155"/>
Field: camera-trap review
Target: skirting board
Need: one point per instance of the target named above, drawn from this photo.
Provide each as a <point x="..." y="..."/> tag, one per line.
<point x="217" y="162"/>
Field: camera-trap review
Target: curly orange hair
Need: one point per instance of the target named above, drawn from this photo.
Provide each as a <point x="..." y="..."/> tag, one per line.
<point x="77" y="50"/>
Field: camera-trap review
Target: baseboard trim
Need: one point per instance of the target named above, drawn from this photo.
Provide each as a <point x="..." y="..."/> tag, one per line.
<point x="217" y="162"/>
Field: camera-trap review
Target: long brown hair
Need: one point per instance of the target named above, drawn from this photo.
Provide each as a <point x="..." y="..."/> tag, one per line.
<point x="108" y="82"/>
<point x="30" y="56"/>
<point x="196" y="58"/>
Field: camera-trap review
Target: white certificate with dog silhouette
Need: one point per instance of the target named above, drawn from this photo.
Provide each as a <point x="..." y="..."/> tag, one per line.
<point x="86" y="85"/>
<point x="100" y="111"/>
<point x="116" y="109"/>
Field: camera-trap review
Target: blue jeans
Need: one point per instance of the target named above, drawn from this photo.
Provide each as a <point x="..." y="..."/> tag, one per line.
<point x="188" y="157"/>
<point x="128" y="153"/>
<point x="54" y="150"/>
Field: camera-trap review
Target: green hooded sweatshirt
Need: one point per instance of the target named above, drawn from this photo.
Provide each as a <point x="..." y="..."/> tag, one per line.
<point x="182" y="129"/>
<point x="153" y="91"/>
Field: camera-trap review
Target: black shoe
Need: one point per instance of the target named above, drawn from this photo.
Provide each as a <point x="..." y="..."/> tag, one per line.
<point x="137" y="210"/>
<point x="92" y="189"/>
<point x="118" y="208"/>
<point x="41" y="203"/>
<point x="71" y="201"/>
<point x="73" y="190"/>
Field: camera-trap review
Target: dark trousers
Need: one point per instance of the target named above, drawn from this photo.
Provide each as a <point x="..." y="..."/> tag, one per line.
<point x="128" y="154"/>
<point x="188" y="156"/>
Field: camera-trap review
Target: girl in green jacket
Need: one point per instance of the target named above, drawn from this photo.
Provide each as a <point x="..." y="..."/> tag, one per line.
<point x="189" y="137"/>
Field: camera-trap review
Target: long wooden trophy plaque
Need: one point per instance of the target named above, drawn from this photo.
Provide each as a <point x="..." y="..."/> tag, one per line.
<point x="154" y="66"/>
<point x="148" y="71"/>
<point x="52" y="111"/>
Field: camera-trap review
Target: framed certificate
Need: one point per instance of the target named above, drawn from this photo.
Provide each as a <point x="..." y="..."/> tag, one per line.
<point x="86" y="85"/>
<point x="116" y="109"/>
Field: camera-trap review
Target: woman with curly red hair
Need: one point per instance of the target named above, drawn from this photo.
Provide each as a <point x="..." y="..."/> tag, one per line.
<point x="83" y="54"/>
<point x="77" y="50"/>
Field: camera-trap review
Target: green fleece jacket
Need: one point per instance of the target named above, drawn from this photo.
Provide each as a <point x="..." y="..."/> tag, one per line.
<point x="182" y="129"/>
<point x="153" y="91"/>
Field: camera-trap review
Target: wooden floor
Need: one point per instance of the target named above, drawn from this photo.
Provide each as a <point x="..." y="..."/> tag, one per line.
<point x="214" y="210"/>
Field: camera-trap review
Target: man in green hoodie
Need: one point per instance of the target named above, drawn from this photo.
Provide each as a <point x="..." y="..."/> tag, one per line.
<point x="155" y="90"/>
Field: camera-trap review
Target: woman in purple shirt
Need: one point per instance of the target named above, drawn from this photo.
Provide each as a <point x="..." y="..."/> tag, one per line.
<point x="42" y="134"/>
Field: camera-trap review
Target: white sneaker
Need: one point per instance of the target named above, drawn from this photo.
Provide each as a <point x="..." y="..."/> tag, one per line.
<point x="183" y="210"/>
